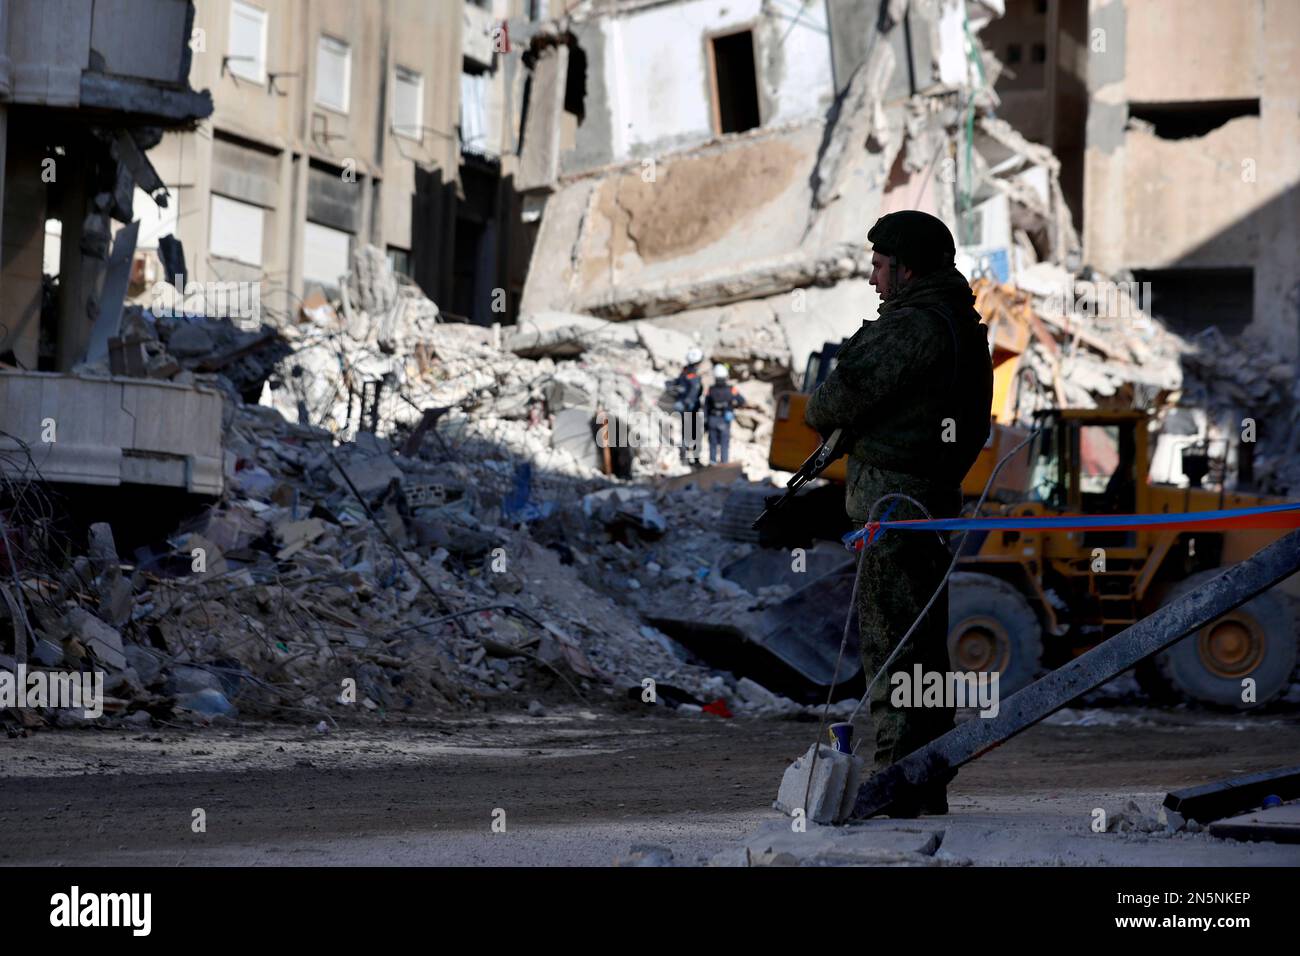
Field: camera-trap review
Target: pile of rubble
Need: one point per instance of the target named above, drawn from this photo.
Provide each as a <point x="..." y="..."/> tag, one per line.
<point x="185" y="347"/>
<point x="495" y="549"/>
<point x="381" y="360"/>
<point x="1233" y="380"/>
<point x="489" y="562"/>
<point x="1085" y="351"/>
<point x="332" y="576"/>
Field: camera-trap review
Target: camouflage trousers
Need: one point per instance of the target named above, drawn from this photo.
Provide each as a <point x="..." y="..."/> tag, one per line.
<point x="898" y="573"/>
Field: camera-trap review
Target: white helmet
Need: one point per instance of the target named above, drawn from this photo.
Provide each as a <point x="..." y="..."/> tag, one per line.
<point x="719" y="371"/>
<point x="694" y="355"/>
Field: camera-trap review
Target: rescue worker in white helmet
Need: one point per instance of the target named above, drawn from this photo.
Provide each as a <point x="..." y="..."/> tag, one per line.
<point x="720" y="403"/>
<point x="688" y="389"/>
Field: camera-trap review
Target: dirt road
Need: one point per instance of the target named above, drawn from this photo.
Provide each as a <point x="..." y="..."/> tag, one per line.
<point x="582" y="787"/>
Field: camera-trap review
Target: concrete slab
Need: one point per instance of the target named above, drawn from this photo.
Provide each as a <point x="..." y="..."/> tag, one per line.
<point x="667" y="347"/>
<point x="539" y="161"/>
<point x="983" y="837"/>
<point x="111" y="431"/>
<point x="878" y="843"/>
<point x="707" y="478"/>
<point x="573" y="432"/>
<point x="1214" y="801"/>
<point x="1276" y="825"/>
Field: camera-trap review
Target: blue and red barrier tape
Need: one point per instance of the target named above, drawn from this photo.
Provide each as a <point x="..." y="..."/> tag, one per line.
<point x="1263" y="517"/>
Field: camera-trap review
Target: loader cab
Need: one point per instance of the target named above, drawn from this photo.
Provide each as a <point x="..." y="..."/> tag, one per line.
<point x="1047" y="482"/>
<point x="820" y="364"/>
<point x="1092" y="462"/>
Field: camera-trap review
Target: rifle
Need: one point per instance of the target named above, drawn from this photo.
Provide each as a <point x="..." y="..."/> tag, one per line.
<point x="828" y="451"/>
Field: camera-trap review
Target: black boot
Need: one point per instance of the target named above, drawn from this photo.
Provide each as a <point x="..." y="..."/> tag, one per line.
<point x="935" y="802"/>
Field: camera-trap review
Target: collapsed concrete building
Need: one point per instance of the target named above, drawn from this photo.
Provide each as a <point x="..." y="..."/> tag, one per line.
<point x="735" y="222"/>
<point x="731" y="157"/>
<point x="86" y="89"/>
<point x="712" y="169"/>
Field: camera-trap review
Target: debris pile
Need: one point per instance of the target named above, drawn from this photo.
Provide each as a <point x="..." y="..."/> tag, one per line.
<point x="1236" y="384"/>
<point x="1089" y="344"/>
<point x="429" y="516"/>
<point x="183" y="347"/>
<point x="490" y="551"/>
<point x="486" y="563"/>
<point x="336" y="576"/>
<point x="556" y="390"/>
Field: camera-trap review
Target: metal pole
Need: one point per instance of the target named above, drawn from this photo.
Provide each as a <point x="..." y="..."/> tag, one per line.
<point x="937" y="759"/>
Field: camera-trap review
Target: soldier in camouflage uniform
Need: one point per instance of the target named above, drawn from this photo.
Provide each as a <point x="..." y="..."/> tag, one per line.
<point x="913" y="390"/>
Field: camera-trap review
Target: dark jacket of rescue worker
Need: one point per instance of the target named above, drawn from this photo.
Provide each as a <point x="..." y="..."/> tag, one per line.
<point x="913" y="389"/>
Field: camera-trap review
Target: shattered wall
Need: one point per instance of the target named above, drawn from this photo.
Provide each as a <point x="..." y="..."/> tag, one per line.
<point x="1163" y="192"/>
<point x="747" y="216"/>
<point x="605" y="243"/>
<point x="854" y="34"/>
<point x="651" y="65"/>
<point x="737" y="238"/>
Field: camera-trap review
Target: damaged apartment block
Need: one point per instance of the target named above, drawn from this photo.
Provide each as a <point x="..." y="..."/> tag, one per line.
<point x="749" y="126"/>
<point x="82" y="102"/>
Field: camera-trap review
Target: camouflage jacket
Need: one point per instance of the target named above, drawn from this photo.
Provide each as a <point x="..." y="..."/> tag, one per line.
<point x="917" y="418"/>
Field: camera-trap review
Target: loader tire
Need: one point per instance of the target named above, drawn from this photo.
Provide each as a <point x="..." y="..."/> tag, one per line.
<point x="1256" y="641"/>
<point x="991" y="627"/>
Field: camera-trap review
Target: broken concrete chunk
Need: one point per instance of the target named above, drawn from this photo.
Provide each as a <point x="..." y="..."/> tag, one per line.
<point x="1132" y="819"/>
<point x="560" y="395"/>
<point x="189" y="680"/>
<point x="646" y="855"/>
<point x="566" y="342"/>
<point x="234" y="528"/>
<point x="296" y="535"/>
<point x="830" y="799"/>
<point x="880" y="844"/>
<point x="760" y="698"/>
<point x="371" y="474"/>
<point x="117" y="600"/>
<point x="667" y="347"/>
<point x="101" y="548"/>
<point x="372" y="286"/>
<point x="47" y="653"/>
<point x="205" y="557"/>
<point x="573" y="433"/>
<point x="207" y="703"/>
<point x="255" y="482"/>
<point x="190" y="340"/>
<point x="103" y="641"/>
<point x="145" y="661"/>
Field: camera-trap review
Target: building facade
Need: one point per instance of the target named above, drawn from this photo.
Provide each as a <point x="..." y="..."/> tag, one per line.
<point x="337" y="124"/>
<point x="1180" y="155"/>
<point x="83" y="99"/>
<point x="1193" y="159"/>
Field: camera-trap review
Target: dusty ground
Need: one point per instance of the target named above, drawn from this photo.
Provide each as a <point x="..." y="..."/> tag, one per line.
<point x="584" y="786"/>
